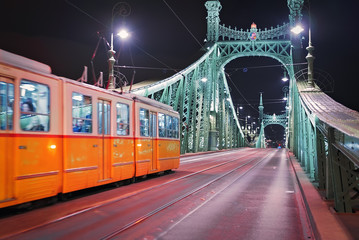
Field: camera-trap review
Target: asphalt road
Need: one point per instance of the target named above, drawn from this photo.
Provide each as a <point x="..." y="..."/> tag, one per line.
<point x="236" y="194"/>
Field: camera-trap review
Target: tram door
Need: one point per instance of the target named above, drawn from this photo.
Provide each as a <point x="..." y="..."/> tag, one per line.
<point x="153" y="135"/>
<point x="7" y="161"/>
<point x="104" y="124"/>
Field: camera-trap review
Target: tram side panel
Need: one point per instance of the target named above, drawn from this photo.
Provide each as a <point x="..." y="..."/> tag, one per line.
<point x="7" y="162"/>
<point x="168" y="138"/>
<point x="143" y="141"/>
<point x="81" y="146"/>
<point x="157" y="139"/>
<point x="38" y="149"/>
<point x="34" y="154"/>
<point x="123" y="143"/>
<point x="98" y="138"/>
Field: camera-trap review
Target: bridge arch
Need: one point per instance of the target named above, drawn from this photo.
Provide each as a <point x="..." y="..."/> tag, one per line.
<point x="278" y="50"/>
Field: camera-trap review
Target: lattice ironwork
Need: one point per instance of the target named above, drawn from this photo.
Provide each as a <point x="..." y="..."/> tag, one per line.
<point x="208" y="119"/>
<point x="275" y="120"/>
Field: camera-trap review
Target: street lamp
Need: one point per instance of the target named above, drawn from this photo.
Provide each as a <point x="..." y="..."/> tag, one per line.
<point x="123" y="34"/>
<point x="122" y="9"/>
<point x="204" y="79"/>
<point x="284" y="79"/>
<point x="297" y="29"/>
<point x="310" y="58"/>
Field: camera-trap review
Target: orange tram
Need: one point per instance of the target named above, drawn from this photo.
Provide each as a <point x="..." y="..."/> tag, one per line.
<point x="58" y="135"/>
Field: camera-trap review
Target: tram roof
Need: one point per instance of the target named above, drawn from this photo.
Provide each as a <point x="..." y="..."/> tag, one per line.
<point x="23" y="62"/>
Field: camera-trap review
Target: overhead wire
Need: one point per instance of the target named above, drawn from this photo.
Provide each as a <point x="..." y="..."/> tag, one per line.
<point x="263" y="66"/>
<point x="229" y="77"/>
<point x="145" y="68"/>
<point x="182" y="23"/>
<point x="106" y="42"/>
<point x="73" y="5"/>
<point x="148" y="54"/>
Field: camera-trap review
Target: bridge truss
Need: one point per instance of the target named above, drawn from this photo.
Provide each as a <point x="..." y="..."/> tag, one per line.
<point x="200" y="92"/>
<point x="323" y="134"/>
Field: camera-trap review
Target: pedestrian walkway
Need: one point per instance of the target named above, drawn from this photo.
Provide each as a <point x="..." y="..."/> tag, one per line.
<point x="327" y="224"/>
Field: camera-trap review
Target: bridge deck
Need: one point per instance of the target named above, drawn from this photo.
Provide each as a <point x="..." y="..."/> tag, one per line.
<point x="327" y="110"/>
<point x="237" y="194"/>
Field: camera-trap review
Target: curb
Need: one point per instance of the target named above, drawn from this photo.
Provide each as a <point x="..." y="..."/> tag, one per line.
<point x="324" y="223"/>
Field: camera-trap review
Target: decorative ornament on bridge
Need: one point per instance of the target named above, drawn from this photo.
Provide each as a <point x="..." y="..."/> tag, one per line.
<point x="285" y="89"/>
<point x="253" y="32"/>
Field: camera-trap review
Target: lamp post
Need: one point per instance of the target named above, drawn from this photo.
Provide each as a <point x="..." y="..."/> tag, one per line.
<point x="122" y="9"/>
<point x="310" y="58"/>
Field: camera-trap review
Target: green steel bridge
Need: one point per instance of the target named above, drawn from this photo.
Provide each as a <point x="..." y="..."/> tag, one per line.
<point x="323" y="134"/>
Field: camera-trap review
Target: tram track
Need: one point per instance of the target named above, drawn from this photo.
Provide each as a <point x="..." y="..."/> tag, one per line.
<point x="212" y="208"/>
<point x="196" y="158"/>
<point x="156" y="186"/>
<point x="152" y="188"/>
<point x="178" y="199"/>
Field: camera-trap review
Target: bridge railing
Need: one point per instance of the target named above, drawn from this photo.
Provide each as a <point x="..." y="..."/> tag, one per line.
<point x="228" y="33"/>
<point x="326" y="142"/>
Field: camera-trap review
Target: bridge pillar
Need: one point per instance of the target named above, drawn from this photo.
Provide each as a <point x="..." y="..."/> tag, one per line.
<point x="213" y="9"/>
<point x="261" y="108"/>
<point x="213" y="133"/>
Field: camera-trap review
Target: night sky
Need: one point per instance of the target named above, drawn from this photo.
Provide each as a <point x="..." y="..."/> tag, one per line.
<point x="64" y="36"/>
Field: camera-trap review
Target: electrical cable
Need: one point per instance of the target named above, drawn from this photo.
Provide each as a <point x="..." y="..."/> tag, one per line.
<point x="145" y="68"/>
<point x="107" y="43"/>
<point x="148" y="54"/>
<point x="241" y="93"/>
<point x="183" y="23"/>
<point x="263" y="66"/>
<point x="73" y="5"/>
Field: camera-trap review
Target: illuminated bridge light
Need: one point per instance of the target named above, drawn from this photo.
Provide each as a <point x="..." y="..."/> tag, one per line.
<point x="297" y="29"/>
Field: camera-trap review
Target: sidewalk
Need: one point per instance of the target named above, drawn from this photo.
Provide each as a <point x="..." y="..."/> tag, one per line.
<point x="326" y="223"/>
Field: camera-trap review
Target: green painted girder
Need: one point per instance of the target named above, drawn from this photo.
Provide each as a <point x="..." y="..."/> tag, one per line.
<point x="326" y="136"/>
<point x="195" y="100"/>
<point x="281" y="120"/>
<point x="327" y="148"/>
<point x="278" y="49"/>
<point x="208" y="119"/>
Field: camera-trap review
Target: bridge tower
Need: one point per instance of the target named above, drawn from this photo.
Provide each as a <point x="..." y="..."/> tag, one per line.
<point x="213" y="20"/>
<point x="200" y="92"/>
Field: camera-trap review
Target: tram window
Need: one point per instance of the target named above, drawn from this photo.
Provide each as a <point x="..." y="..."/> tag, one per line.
<point x="6" y="105"/>
<point x="175" y="128"/>
<point x="161" y="125"/>
<point x="104" y="116"/>
<point x="144" y="122"/>
<point x="81" y="113"/>
<point x="34" y="106"/>
<point x="122" y="119"/>
<point x="169" y="126"/>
